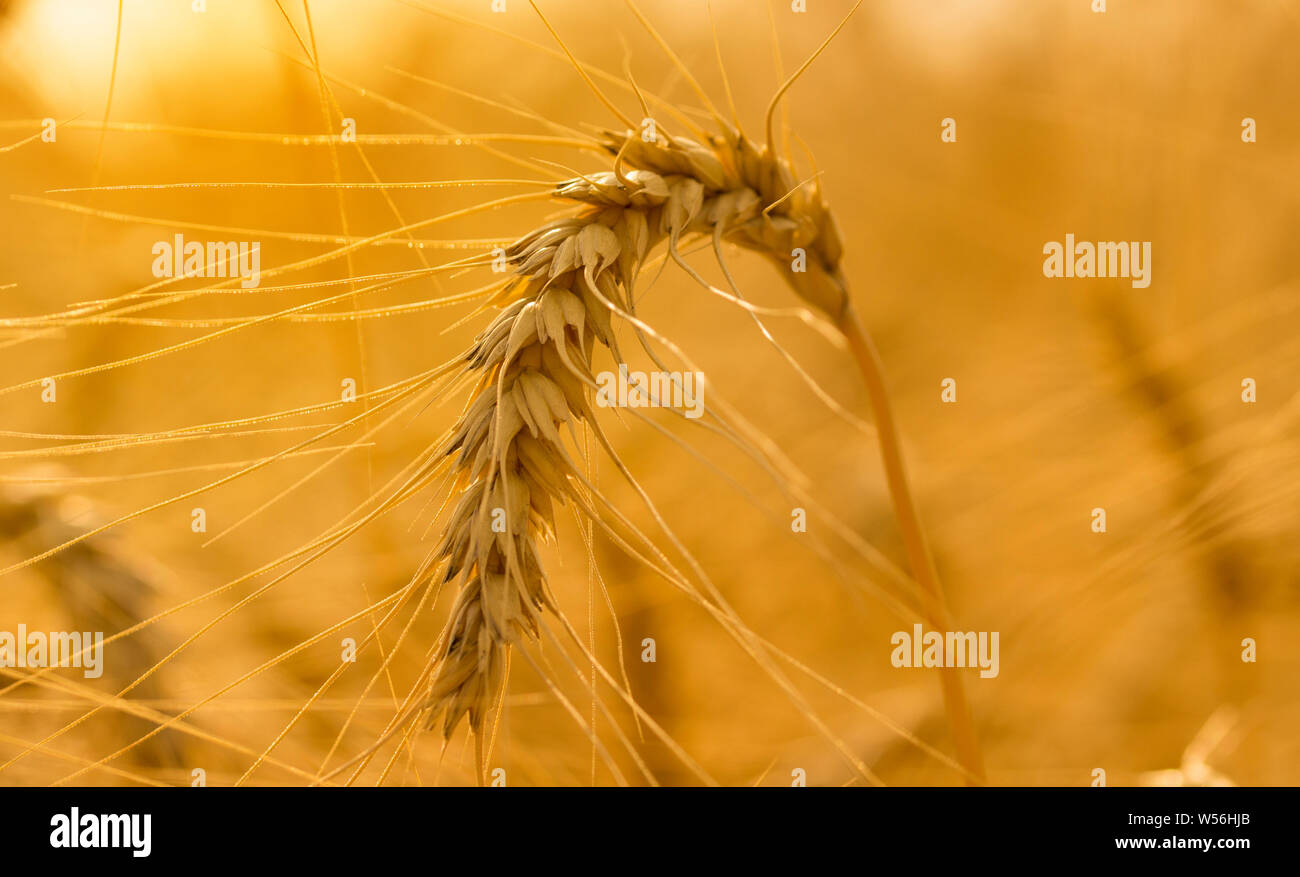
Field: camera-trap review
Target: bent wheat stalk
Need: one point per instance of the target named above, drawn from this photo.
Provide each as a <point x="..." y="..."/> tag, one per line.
<point x="508" y="460"/>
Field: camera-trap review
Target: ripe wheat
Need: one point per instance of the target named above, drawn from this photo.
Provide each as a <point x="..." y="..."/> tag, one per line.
<point x="571" y="278"/>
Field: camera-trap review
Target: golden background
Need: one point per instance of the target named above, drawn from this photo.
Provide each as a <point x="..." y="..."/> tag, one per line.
<point x="1117" y="649"/>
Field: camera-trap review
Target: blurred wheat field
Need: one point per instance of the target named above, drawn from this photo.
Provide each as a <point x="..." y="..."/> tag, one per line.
<point x="1122" y="650"/>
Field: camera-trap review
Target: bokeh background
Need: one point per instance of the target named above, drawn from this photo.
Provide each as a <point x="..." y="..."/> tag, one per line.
<point x="1120" y="651"/>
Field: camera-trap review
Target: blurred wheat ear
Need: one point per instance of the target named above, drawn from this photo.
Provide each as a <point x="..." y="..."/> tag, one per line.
<point x="101" y="588"/>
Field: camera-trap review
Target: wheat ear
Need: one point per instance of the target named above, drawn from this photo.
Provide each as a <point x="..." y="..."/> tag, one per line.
<point x="508" y="460"/>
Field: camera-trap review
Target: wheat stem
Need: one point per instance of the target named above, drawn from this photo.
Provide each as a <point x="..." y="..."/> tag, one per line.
<point x="914" y="540"/>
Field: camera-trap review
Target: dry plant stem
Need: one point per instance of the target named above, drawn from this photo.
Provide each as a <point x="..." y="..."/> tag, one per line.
<point x="914" y="541"/>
